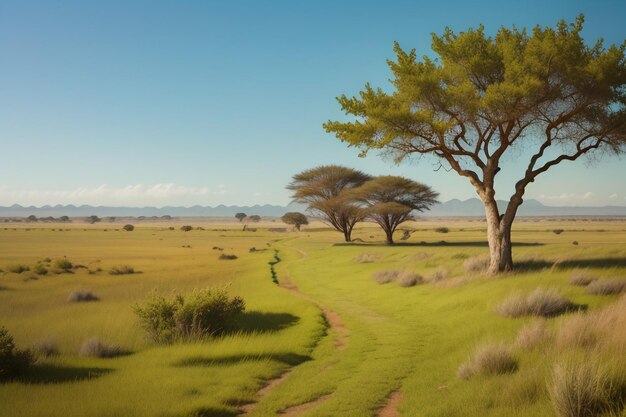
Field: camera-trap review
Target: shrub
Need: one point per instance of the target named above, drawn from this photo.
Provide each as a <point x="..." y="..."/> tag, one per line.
<point x="18" y="268"/>
<point x="13" y="362"/>
<point x="225" y="256"/>
<point x="575" y="243"/>
<point x="96" y="348"/>
<point x="366" y="258"/>
<point x="128" y="227"/>
<point x="186" y="228"/>
<point x="442" y="230"/>
<point x="476" y="264"/>
<point x="438" y="275"/>
<point x="46" y="348"/>
<point x="558" y="231"/>
<point x="585" y="389"/>
<point x="122" y="270"/>
<point x="203" y="313"/>
<point x="606" y="286"/>
<point x="402" y="278"/>
<point x="488" y="360"/>
<point x="40" y="269"/>
<point x="546" y="303"/>
<point x="532" y="335"/>
<point x="79" y="296"/>
<point x="581" y="278"/>
<point x="63" y="264"/>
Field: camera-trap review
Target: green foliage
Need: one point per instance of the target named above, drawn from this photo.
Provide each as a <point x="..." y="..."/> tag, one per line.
<point x="255" y="218"/>
<point x="18" y="268"/>
<point x="295" y="218"/>
<point x="128" y="227"/>
<point x="40" y="269"/>
<point x="13" y="362"/>
<point x="63" y="264"/>
<point x="241" y="216"/>
<point x="203" y="313"/>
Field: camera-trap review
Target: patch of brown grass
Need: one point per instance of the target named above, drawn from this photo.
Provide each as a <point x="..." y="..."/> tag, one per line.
<point x="488" y="359"/>
<point x="606" y="286"/>
<point x="540" y="302"/>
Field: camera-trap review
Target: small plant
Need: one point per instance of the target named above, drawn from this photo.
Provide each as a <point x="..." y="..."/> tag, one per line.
<point x="442" y="230"/>
<point x="186" y="228"/>
<point x="546" y="303"/>
<point x="489" y="359"/>
<point x="203" y="313"/>
<point x="40" y="269"/>
<point x="575" y="243"/>
<point x="558" y="231"/>
<point x="581" y="278"/>
<point x="18" y="268"/>
<point x="46" y="348"/>
<point x="384" y="277"/>
<point x="366" y="258"/>
<point x="81" y="296"/>
<point x="402" y="278"/>
<point x="606" y="286"/>
<point x="13" y="362"/>
<point x="96" y="348"/>
<point x="225" y="256"/>
<point x="532" y="335"/>
<point x="438" y="275"/>
<point x="63" y="264"/>
<point x="585" y="389"/>
<point x="476" y="264"/>
<point x="122" y="270"/>
<point x="128" y="227"/>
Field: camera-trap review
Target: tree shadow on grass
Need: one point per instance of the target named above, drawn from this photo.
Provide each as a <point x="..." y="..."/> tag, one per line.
<point x="291" y="359"/>
<point x="54" y="374"/>
<point x="436" y="244"/>
<point x="259" y="322"/>
<point x="531" y="265"/>
<point x="593" y="263"/>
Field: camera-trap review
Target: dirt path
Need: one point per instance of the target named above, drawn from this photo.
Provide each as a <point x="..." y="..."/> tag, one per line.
<point x="390" y="409"/>
<point x="267" y="388"/>
<point x="301" y="408"/>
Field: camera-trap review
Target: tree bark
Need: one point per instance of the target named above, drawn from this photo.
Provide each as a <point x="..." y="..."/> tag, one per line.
<point x="346" y="234"/>
<point x="389" y="234"/>
<point x="499" y="239"/>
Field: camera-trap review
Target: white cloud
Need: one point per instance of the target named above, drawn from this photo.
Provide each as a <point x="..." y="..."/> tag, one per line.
<point x="567" y="198"/>
<point x="131" y="195"/>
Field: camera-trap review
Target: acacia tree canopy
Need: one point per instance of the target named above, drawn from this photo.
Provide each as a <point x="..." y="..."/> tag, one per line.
<point x="241" y="216"/>
<point x="295" y="218"/>
<point x="322" y="189"/>
<point x="390" y="200"/>
<point x="543" y="90"/>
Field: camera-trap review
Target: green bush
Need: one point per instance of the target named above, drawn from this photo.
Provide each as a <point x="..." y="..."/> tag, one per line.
<point x="18" y="268"/>
<point x="40" y="269"/>
<point x="63" y="264"/>
<point x="203" y="313"/>
<point x="128" y="227"/>
<point x="13" y="362"/>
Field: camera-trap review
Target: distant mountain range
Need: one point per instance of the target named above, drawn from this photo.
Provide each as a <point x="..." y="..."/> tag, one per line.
<point x="455" y="208"/>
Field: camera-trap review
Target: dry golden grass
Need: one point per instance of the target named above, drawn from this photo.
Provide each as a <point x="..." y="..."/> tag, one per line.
<point x="488" y="359"/>
<point x="532" y="335"/>
<point x="540" y="302"/>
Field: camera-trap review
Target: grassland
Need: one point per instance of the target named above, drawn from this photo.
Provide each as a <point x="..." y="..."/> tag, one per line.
<point x="329" y="340"/>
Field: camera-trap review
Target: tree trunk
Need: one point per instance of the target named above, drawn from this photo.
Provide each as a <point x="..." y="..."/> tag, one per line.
<point x="389" y="234"/>
<point x="499" y="239"/>
<point x="346" y="234"/>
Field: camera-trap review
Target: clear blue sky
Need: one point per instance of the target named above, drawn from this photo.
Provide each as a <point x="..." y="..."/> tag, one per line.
<point x="209" y="102"/>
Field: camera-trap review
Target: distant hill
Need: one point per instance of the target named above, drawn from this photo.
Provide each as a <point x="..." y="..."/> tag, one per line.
<point x="451" y="208"/>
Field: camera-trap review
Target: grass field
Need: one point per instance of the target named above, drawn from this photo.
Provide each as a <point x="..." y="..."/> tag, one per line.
<point x="327" y="341"/>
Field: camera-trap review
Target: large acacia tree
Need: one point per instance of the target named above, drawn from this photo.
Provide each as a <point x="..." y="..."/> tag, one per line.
<point x="544" y="91"/>
<point x="323" y="190"/>
<point x="390" y="201"/>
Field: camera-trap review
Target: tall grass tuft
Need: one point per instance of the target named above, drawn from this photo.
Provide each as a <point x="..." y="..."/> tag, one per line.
<point x="122" y="270"/>
<point x="96" y="348"/>
<point x="581" y="278"/>
<point x="402" y="278"/>
<point x="476" y="264"/>
<point x="606" y="287"/>
<point x="489" y="359"/>
<point x="540" y="302"/>
<point x="532" y="335"/>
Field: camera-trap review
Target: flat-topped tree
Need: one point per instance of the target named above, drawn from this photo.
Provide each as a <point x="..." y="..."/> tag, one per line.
<point x="240" y="216"/>
<point x="546" y="92"/>
<point x="322" y="189"/>
<point x="295" y="218"/>
<point x="390" y="201"/>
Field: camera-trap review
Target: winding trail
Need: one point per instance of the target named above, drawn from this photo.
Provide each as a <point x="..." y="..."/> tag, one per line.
<point x="390" y="409"/>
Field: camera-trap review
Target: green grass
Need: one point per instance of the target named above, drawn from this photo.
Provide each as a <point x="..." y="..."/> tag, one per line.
<point x="412" y="339"/>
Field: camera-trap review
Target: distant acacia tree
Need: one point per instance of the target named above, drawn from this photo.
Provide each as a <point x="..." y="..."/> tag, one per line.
<point x="241" y="216"/>
<point x="295" y="218"/>
<point x="128" y="227"/>
<point x="255" y="218"/>
<point x="93" y="219"/>
<point x="64" y="219"/>
<point x="32" y="218"/>
<point x="390" y="200"/>
<point x="322" y="189"/>
<point x="545" y="91"/>
<point x="186" y="228"/>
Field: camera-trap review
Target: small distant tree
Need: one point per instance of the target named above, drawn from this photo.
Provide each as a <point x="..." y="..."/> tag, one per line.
<point x="13" y="362"/>
<point x="390" y="200"/>
<point x="166" y="217"/>
<point x="64" y="219"/>
<point x="186" y="228"/>
<point x="32" y="218"/>
<point x="241" y="216"/>
<point x="295" y="218"/>
<point x="322" y="189"/>
<point x="255" y="218"/>
<point x="128" y="227"/>
<point x="93" y="219"/>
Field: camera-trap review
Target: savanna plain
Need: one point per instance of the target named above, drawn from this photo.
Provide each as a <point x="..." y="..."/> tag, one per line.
<point x="329" y="328"/>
